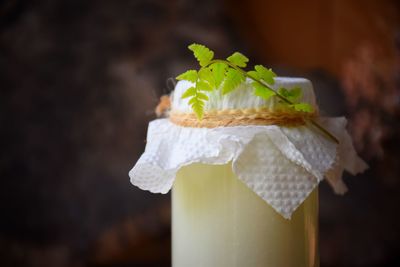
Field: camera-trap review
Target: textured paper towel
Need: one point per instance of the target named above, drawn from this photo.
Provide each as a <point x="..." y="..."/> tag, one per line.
<point x="281" y="165"/>
<point x="242" y="97"/>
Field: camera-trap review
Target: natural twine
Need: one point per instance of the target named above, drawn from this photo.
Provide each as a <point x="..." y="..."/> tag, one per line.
<point x="236" y="117"/>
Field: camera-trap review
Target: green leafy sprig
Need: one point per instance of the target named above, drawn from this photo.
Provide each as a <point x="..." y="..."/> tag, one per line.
<point x="227" y="75"/>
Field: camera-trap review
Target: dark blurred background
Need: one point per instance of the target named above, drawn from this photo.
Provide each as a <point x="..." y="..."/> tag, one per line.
<point x="79" y="81"/>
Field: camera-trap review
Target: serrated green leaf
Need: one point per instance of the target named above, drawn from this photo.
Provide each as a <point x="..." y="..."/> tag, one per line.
<point x="218" y="71"/>
<point x="203" y="86"/>
<point x="198" y="107"/>
<point x="199" y="111"/>
<point x="190" y="75"/>
<point x="205" y="75"/>
<point x="253" y="74"/>
<point x="265" y="74"/>
<point x="262" y="91"/>
<point x="292" y="95"/>
<point x="202" y="96"/>
<point x="238" y="59"/>
<point x="203" y="54"/>
<point x="232" y="80"/>
<point x="192" y="101"/>
<point x="303" y="107"/>
<point x="189" y="92"/>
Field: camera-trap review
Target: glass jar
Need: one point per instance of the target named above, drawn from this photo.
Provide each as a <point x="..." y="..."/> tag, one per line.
<point x="218" y="221"/>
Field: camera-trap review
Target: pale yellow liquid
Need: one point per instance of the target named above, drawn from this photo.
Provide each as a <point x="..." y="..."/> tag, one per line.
<point x="218" y="221"/>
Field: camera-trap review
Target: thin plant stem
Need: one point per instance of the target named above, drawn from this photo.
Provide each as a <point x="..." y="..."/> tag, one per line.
<point x="281" y="97"/>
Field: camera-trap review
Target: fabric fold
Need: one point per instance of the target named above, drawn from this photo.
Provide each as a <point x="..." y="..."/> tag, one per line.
<point x="280" y="164"/>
